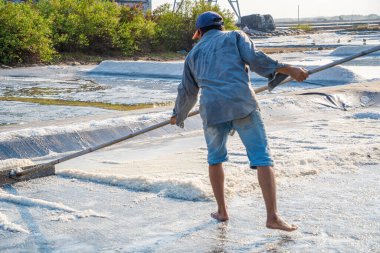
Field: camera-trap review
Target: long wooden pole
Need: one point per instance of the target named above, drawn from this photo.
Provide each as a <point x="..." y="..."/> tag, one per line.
<point x="329" y="65"/>
<point x="28" y="169"/>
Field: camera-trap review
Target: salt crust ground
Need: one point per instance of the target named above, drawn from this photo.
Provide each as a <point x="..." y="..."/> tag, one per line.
<point x="327" y="157"/>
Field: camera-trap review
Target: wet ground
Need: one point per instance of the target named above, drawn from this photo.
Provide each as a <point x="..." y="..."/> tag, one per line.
<point x="335" y="212"/>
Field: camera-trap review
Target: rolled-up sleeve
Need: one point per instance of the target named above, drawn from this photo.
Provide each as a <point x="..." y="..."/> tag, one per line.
<point x="187" y="95"/>
<point x="258" y="61"/>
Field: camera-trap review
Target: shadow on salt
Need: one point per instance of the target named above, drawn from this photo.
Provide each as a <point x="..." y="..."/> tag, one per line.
<point x="367" y="115"/>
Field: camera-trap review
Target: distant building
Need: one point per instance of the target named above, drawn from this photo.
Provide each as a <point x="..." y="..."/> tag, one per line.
<point x="147" y="4"/>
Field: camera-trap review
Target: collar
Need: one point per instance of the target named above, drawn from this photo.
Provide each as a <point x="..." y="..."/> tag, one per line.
<point x="210" y="33"/>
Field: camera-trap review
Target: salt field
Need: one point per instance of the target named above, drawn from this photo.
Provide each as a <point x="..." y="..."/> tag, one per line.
<point x="329" y="39"/>
<point x="152" y="193"/>
<point x="131" y="82"/>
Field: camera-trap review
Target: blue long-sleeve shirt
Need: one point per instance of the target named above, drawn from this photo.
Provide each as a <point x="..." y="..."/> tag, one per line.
<point x="218" y="67"/>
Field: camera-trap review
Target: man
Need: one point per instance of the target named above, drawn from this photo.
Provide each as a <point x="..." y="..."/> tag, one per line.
<point x="218" y="67"/>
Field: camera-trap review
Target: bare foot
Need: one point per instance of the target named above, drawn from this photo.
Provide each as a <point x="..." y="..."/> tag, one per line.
<point x="219" y="217"/>
<point x="278" y="223"/>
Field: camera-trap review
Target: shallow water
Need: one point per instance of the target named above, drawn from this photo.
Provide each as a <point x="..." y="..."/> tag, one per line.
<point x="20" y="113"/>
<point x="81" y="83"/>
<point x="77" y="85"/>
<point x="114" y="89"/>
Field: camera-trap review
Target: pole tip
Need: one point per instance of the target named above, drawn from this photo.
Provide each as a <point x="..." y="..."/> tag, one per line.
<point x="15" y="172"/>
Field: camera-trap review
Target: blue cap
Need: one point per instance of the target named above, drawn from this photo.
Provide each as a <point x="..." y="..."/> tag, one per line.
<point x="208" y="18"/>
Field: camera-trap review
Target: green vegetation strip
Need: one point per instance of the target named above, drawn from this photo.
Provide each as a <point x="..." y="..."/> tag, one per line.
<point x="43" y="30"/>
<point x="303" y="27"/>
<point x="108" y="106"/>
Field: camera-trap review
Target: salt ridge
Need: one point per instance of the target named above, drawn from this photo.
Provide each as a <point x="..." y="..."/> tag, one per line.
<point x="26" y="201"/>
<point x="42" y="142"/>
<point x="91" y="125"/>
<point x="5" y="224"/>
<point x="193" y="190"/>
<point x="174" y="70"/>
<point x="14" y="163"/>
<point x="350" y="50"/>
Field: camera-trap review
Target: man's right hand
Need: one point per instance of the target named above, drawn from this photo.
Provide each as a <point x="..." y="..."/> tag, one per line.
<point x="298" y="74"/>
<point x="173" y="120"/>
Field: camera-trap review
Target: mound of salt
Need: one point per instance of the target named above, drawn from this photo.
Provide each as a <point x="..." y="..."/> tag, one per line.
<point x="350" y="50"/>
<point x="140" y="68"/>
<point x="337" y="74"/>
<point x="7" y="225"/>
<point x="178" y="189"/>
<point x="15" y="163"/>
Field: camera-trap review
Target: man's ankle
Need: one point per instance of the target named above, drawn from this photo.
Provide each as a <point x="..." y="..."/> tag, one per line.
<point x="272" y="215"/>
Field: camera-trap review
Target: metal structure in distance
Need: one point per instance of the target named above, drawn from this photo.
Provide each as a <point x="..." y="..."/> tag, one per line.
<point x="234" y="5"/>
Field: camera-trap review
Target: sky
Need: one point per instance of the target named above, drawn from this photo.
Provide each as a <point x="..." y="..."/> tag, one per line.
<point x="308" y="8"/>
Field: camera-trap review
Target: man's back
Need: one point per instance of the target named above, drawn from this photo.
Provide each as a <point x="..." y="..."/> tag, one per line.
<point x="219" y="65"/>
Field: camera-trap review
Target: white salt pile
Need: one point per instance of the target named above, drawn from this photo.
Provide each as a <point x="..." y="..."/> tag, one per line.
<point x="140" y="68"/>
<point x="26" y="201"/>
<point x="350" y="50"/>
<point x="13" y="163"/>
<point x="193" y="190"/>
<point x="7" y="225"/>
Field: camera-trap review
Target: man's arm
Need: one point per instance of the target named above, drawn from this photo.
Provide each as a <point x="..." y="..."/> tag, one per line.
<point x="298" y="74"/>
<point x="186" y="98"/>
<point x="262" y="64"/>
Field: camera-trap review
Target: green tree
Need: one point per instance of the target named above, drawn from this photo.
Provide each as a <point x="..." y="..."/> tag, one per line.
<point x="172" y="28"/>
<point x="32" y="31"/>
<point x="175" y="30"/>
<point x="136" y="32"/>
<point x="82" y="24"/>
<point x="24" y="34"/>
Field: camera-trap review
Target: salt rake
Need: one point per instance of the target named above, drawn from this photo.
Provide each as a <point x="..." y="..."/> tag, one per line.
<point x="48" y="169"/>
